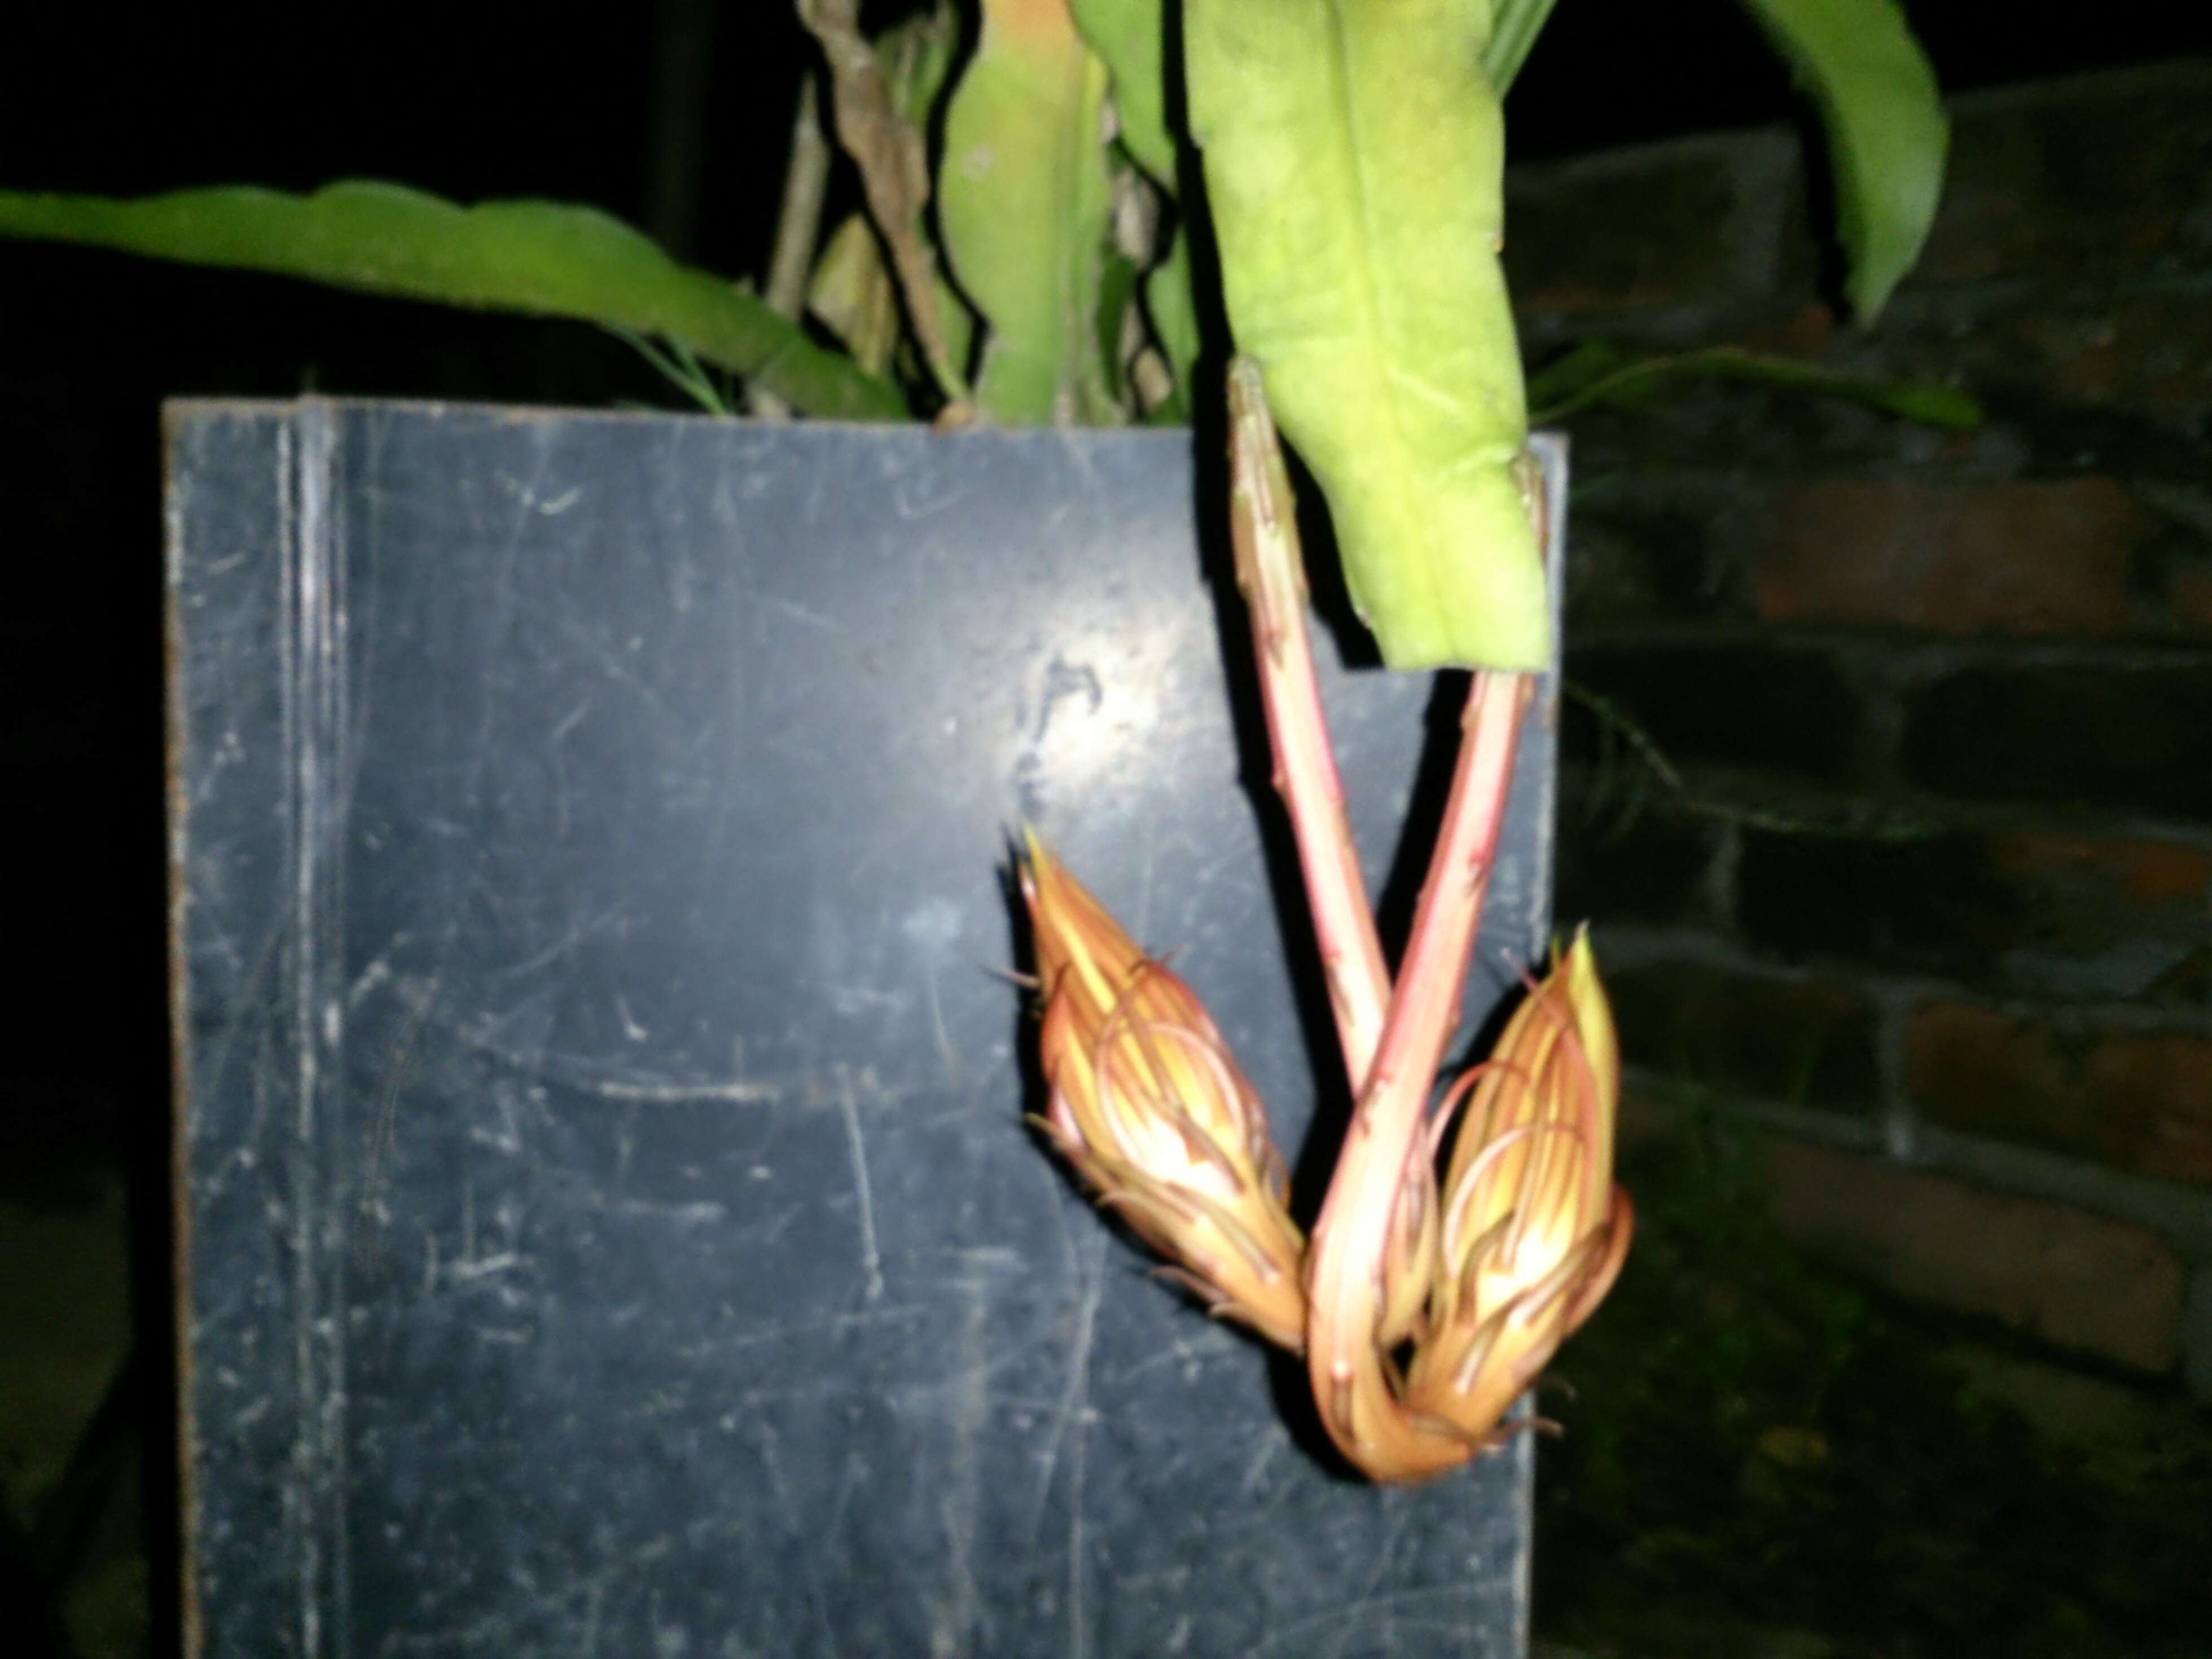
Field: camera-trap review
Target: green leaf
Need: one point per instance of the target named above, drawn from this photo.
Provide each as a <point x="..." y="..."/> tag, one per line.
<point x="1117" y="292"/>
<point x="545" y="258"/>
<point x="1022" y="201"/>
<point x="1173" y="314"/>
<point x="1514" y="25"/>
<point x="1594" y="373"/>
<point x="676" y="364"/>
<point x="852" y="291"/>
<point x="1354" y="157"/>
<point x="1887" y="130"/>
<point x="1130" y="35"/>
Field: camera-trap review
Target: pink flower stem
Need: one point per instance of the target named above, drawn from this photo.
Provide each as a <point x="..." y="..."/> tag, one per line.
<point x="1352" y="1377"/>
<point x="1269" y="572"/>
<point x="1393" y="1042"/>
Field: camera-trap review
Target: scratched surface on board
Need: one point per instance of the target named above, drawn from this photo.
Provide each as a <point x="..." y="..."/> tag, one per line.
<point x="611" y="1227"/>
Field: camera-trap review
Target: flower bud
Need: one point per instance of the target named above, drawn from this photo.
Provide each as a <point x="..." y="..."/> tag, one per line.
<point x="1409" y="1265"/>
<point x="1533" y="1230"/>
<point x="1149" y="1106"/>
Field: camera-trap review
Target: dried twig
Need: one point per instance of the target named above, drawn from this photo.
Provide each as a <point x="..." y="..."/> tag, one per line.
<point x="797" y="224"/>
<point x="799" y="220"/>
<point x="888" y="148"/>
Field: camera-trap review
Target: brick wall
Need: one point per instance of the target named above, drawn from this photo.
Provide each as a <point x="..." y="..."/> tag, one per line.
<point x="1930" y="889"/>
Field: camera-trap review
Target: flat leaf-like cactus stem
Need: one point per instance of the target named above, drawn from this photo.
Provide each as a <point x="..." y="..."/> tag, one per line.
<point x="1887" y="133"/>
<point x="1354" y="156"/>
<point x="1022" y="198"/>
<point x="545" y="259"/>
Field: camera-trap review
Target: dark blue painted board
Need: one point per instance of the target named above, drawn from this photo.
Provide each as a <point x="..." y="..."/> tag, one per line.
<point x="610" y="1223"/>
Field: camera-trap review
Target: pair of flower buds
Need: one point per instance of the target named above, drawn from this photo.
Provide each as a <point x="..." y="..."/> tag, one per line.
<point x="1424" y="1306"/>
<point x="1486" y="1272"/>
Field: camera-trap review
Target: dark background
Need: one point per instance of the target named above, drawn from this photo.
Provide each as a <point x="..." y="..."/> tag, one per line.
<point x="674" y="116"/>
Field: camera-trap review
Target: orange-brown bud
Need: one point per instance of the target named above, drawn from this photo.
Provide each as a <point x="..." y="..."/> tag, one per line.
<point x="1532" y="1228"/>
<point x="1153" y="1113"/>
<point x="1409" y="1263"/>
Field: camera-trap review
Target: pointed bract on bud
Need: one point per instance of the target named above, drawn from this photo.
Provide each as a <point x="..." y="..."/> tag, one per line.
<point x="1153" y="1113"/>
<point x="1533" y="1230"/>
<point x="1409" y="1265"/>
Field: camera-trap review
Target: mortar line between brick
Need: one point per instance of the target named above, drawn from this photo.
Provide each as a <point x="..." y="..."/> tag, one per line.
<point x="1731" y="788"/>
<point x="1623" y="946"/>
<point x="2181" y="1216"/>
<point x="1900" y="1125"/>
<point x="1924" y="814"/>
<point x="1910" y="657"/>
